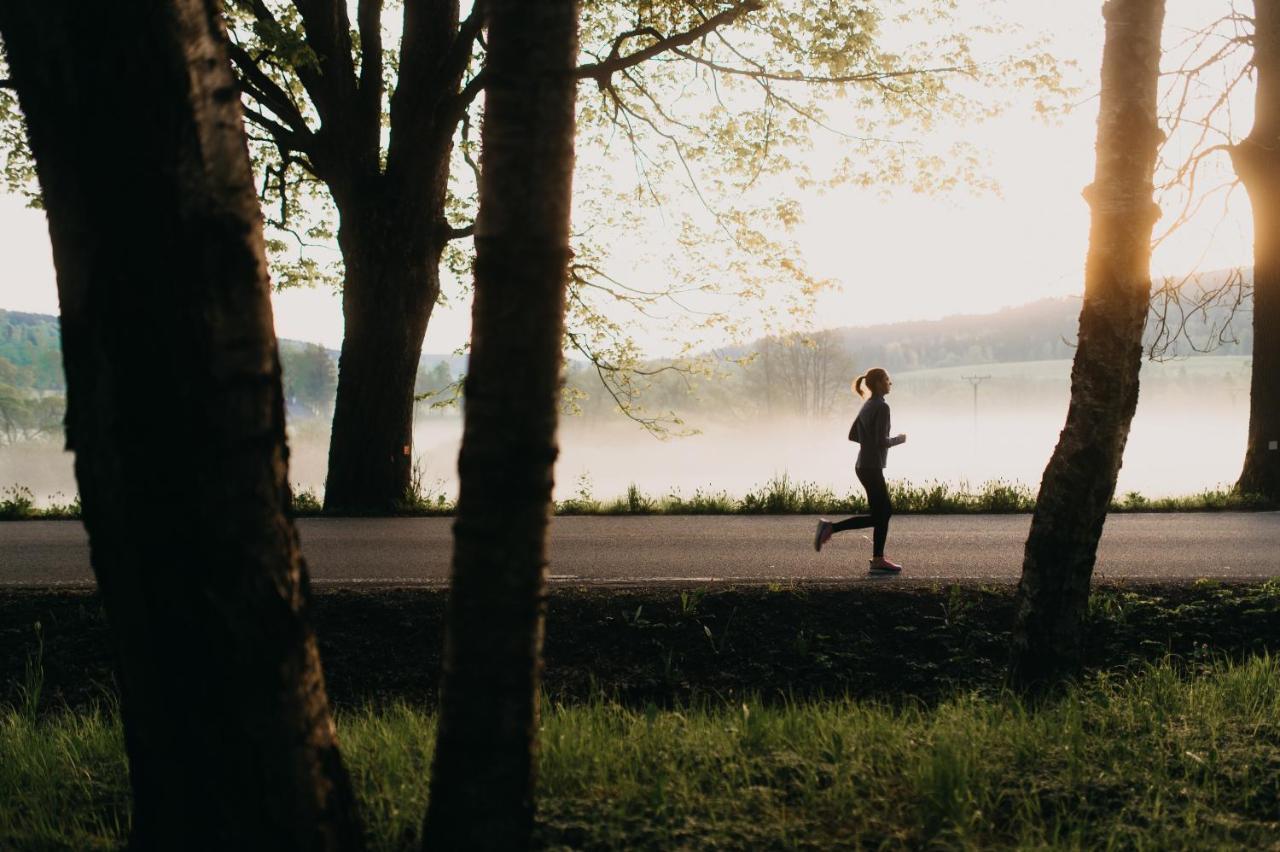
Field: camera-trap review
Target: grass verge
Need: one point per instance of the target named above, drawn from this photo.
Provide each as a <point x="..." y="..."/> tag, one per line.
<point x="781" y="495"/>
<point x="1158" y="759"/>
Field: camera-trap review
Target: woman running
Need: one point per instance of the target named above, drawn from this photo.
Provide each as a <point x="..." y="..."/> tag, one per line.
<point x="871" y="430"/>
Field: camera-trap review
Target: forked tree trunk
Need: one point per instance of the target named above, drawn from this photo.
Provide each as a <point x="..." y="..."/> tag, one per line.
<point x="1080" y="478"/>
<point x="392" y="233"/>
<point x="176" y="418"/>
<point x="1257" y="162"/>
<point x="482" y="778"/>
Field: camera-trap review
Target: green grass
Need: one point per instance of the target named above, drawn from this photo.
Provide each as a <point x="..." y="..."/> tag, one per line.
<point x="18" y="503"/>
<point x="780" y="495"/>
<point x="1160" y="759"/>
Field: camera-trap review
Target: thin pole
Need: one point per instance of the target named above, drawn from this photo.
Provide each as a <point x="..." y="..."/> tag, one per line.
<point x="975" y="381"/>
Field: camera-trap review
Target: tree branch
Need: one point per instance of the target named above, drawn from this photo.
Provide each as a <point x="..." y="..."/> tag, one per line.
<point x="470" y="91"/>
<point x="266" y="91"/>
<point x="281" y="135"/>
<point x="328" y="32"/>
<point x="602" y="71"/>
<point x="448" y="232"/>
<point x="460" y="56"/>
<point x="812" y="79"/>
<point x="369" y="20"/>
<point x="430" y="73"/>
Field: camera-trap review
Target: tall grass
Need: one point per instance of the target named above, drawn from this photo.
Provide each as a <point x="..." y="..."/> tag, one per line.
<point x="780" y="495"/>
<point x="1158" y="760"/>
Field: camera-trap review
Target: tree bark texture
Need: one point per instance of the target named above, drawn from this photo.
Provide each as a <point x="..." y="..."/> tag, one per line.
<point x="1257" y="163"/>
<point x="482" y="778"/>
<point x="1080" y="478"/>
<point x="176" y="419"/>
<point x="392" y="232"/>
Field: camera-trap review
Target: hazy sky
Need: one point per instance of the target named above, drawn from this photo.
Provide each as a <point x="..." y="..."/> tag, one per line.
<point x="906" y="257"/>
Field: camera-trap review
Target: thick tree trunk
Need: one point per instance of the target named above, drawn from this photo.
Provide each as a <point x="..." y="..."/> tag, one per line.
<point x="392" y="233"/>
<point x="1080" y="478"/>
<point x="176" y="419"/>
<point x="482" y="778"/>
<point x="1257" y="162"/>
<point x="391" y="286"/>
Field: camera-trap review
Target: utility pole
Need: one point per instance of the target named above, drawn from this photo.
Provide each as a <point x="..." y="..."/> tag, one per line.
<point x="975" y="381"/>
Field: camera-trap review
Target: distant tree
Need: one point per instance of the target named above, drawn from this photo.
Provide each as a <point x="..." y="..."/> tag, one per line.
<point x="177" y="424"/>
<point x="27" y="416"/>
<point x="801" y="374"/>
<point x="1080" y="478"/>
<point x="482" y="776"/>
<point x="1201" y="311"/>
<point x="310" y="377"/>
<point x="434" y="387"/>
<point x="1257" y="162"/>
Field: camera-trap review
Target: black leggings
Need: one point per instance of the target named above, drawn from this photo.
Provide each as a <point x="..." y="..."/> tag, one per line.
<point x="872" y="480"/>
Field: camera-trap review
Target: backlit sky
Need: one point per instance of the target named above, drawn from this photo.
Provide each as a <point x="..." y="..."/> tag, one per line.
<point x="905" y="257"/>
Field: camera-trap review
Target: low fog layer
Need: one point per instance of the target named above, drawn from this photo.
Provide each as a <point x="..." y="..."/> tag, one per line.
<point x="1189" y="434"/>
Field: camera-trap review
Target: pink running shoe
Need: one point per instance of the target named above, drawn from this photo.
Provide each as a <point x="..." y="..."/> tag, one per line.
<point x="880" y="565"/>
<point x="823" y="534"/>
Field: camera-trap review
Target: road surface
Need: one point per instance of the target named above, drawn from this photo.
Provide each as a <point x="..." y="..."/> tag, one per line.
<point x="407" y="551"/>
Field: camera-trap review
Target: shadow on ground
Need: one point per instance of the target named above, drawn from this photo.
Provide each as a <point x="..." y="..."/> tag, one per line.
<point x="671" y="644"/>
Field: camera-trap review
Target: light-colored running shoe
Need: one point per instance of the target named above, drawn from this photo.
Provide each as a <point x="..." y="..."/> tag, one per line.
<point x="822" y="535"/>
<point x="880" y="565"/>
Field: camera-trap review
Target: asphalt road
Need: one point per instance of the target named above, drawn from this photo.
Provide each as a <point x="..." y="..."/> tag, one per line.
<point x="406" y="551"/>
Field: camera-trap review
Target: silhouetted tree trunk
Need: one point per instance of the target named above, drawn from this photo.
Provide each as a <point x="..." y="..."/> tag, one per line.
<point x="1257" y="162"/>
<point x="175" y="415"/>
<point x="392" y="233"/>
<point x="1080" y="478"/>
<point x="392" y="281"/>
<point x="482" y="778"/>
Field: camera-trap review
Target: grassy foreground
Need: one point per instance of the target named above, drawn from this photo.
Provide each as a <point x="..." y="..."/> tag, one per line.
<point x="1160" y="759"/>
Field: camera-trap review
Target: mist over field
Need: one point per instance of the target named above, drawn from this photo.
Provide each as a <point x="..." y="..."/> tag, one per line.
<point x="1189" y="434"/>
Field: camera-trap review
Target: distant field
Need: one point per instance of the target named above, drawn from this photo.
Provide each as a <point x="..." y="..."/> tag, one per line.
<point x="1188" y="438"/>
<point x="1208" y="372"/>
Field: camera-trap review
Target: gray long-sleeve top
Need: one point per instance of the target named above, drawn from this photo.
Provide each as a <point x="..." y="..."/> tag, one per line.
<point x="870" y="430"/>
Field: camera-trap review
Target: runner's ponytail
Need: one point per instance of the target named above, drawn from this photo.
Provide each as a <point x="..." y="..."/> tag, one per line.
<point x="864" y="381"/>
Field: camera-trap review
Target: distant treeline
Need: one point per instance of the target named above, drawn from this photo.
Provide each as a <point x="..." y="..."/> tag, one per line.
<point x="808" y="373"/>
<point x="802" y="374"/>
<point x="32" y="384"/>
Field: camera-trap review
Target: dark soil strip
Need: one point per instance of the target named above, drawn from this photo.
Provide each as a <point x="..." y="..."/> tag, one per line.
<point x="667" y="645"/>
